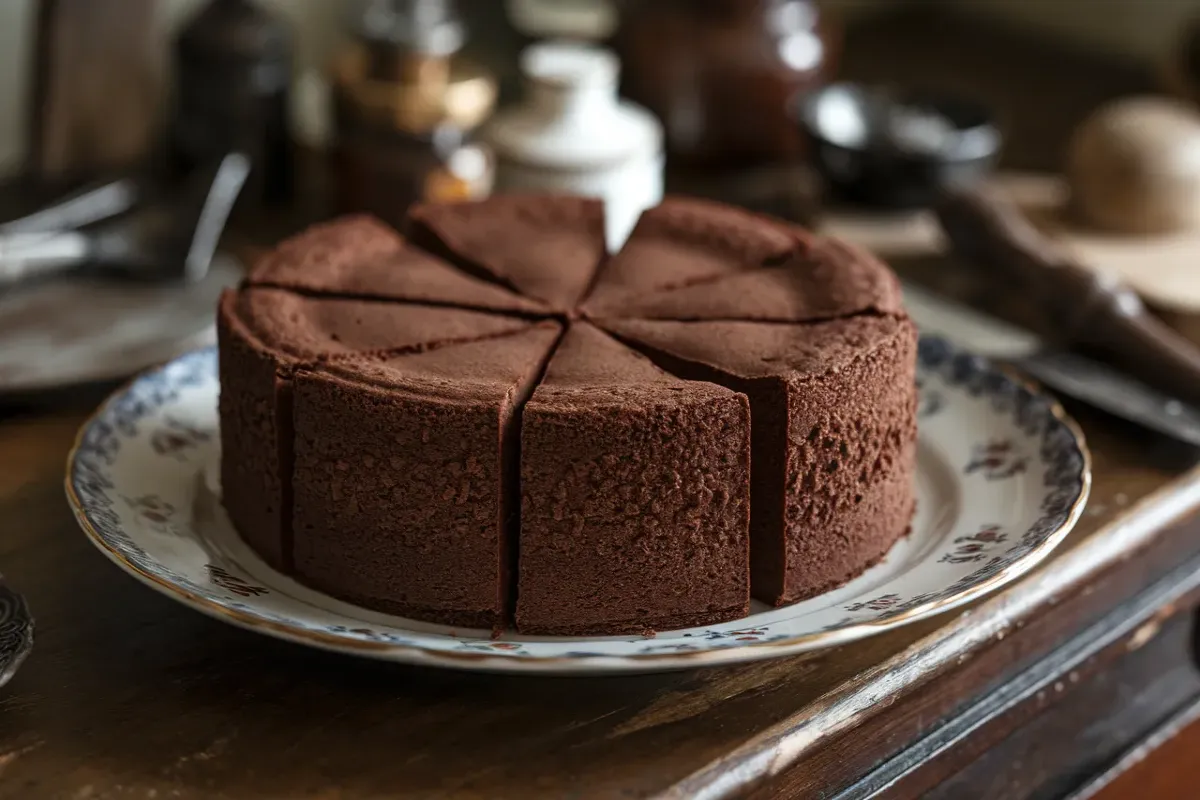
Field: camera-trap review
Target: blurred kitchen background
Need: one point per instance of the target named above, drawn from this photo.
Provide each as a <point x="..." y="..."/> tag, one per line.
<point x="1140" y="30"/>
<point x="129" y="128"/>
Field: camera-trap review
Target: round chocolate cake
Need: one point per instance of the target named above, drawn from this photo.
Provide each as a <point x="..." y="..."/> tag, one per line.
<point x="491" y="421"/>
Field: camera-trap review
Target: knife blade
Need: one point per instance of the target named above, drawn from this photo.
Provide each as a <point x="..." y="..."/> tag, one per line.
<point x="1082" y="378"/>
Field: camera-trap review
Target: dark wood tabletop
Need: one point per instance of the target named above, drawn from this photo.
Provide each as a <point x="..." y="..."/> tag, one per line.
<point x="1058" y="685"/>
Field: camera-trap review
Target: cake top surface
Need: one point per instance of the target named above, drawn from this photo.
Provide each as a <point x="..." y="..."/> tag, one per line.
<point x="330" y="248"/>
<point x="682" y="241"/>
<point x="361" y="256"/>
<point x="762" y="349"/>
<point x="544" y="246"/>
<point x="305" y="327"/>
<point x="829" y="280"/>
<point x="587" y="356"/>
<point x="486" y="371"/>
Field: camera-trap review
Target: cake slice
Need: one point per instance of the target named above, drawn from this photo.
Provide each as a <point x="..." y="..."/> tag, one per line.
<point x="543" y="246"/>
<point x="405" y="477"/>
<point x="635" y="496"/>
<point x="828" y="281"/>
<point x="359" y="256"/>
<point x="833" y="436"/>
<point x="687" y="241"/>
<point x="264" y="335"/>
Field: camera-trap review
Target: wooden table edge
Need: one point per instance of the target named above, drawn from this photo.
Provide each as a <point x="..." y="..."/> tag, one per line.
<point x="776" y="749"/>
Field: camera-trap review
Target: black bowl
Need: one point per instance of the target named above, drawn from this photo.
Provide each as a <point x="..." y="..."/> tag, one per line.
<point x="896" y="149"/>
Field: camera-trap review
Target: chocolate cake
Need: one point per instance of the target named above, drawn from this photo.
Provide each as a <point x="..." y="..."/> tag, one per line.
<point x="635" y="491"/>
<point x="489" y="423"/>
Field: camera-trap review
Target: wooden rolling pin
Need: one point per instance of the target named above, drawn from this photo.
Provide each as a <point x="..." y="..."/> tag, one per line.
<point x="1079" y="306"/>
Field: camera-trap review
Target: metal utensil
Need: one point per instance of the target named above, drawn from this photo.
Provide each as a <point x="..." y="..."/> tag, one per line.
<point x="1081" y="378"/>
<point x="896" y="149"/>
<point x="1080" y="306"/>
<point x="85" y="206"/>
<point x="172" y="240"/>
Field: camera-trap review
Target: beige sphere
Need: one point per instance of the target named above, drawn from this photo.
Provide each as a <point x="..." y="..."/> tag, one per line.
<point x="1133" y="167"/>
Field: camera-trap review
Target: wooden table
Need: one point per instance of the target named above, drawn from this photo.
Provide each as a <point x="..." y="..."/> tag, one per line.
<point x="1073" y="682"/>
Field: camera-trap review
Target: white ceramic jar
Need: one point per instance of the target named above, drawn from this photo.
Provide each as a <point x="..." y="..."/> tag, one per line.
<point x="573" y="135"/>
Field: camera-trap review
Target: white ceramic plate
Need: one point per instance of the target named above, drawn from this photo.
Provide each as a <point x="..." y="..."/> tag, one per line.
<point x="1002" y="476"/>
<point x="66" y="332"/>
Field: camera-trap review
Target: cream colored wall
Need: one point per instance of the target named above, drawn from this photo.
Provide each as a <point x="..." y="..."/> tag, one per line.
<point x="1140" y="28"/>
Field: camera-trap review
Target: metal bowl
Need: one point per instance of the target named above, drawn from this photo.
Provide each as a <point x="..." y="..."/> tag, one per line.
<point x="896" y="149"/>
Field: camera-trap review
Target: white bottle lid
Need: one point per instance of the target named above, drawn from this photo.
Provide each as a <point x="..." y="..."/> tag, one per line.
<point x="572" y="134"/>
<point x="571" y="118"/>
<point x="570" y="66"/>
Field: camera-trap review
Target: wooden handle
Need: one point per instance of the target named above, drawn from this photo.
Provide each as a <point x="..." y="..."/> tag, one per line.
<point x="1078" y="305"/>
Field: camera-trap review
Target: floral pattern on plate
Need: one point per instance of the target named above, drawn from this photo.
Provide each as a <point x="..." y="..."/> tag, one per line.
<point x="16" y="631"/>
<point x="1002" y="476"/>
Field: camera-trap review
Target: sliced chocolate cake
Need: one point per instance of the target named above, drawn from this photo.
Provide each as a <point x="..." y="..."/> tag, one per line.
<point x="405" y="477"/>
<point x="359" y="256"/>
<point x="827" y="281"/>
<point x="749" y="430"/>
<point x="543" y="246"/>
<point x="684" y="242"/>
<point x="263" y="335"/>
<point x="834" y="425"/>
<point x="635" y="496"/>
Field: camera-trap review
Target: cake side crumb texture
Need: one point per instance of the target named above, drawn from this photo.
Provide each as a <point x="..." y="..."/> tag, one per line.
<point x="399" y="477"/>
<point x="252" y="476"/>
<point x="833" y="407"/>
<point x="635" y="496"/>
<point x="264" y="335"/>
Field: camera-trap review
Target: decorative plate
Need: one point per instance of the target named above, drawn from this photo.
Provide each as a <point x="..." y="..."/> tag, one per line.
<point x="16" y="631"/>
<point x="1002" y="476"/>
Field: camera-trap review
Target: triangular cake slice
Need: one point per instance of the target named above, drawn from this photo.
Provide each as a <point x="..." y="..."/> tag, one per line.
<point x="635" y="496"/>
<point x="544" y="246"/>
<point x="264" y="335"/>
<point x="309" y="328"/>
<point x="828" y="281"/>
<point x="685" y="241"/>
<point x="405" y="477"/>
<point x="362" y="257"/>
<point x="833" y="436"/>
